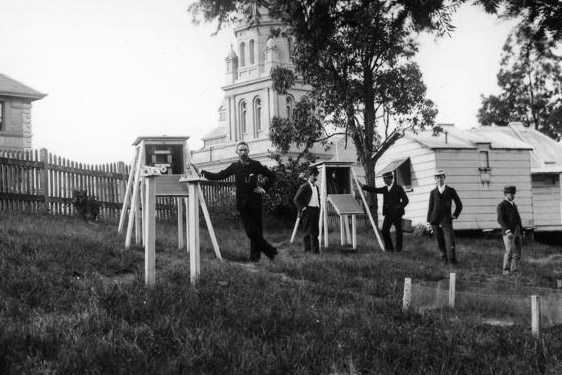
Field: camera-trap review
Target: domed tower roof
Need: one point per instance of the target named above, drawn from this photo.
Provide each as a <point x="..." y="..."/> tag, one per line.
<point x="231" y="54"/>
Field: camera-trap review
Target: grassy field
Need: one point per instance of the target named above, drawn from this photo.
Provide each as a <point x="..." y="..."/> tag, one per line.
<point x="73" y="301"/>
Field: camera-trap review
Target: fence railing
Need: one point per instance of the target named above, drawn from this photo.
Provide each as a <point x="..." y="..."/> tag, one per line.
<point x="38" y="180"/>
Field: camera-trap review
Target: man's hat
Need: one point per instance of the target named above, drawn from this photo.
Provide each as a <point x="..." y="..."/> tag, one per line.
<point x="439" y="172"/>
<point x="387" y="175"/>
<point x="312" y="170"/>
<point x="509" y="189"/>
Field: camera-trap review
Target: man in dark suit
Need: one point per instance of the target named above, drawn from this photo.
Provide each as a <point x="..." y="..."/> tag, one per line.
<point x="307" y="201"/>
<point x="249" y="197"/>
<point x="394" y="202"/>
<point x="439" y="218"/>
<point x="510" y="221"/>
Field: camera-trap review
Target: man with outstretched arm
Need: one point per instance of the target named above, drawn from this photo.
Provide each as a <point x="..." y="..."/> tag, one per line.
<point x="249" y="197"/>
<point x="394" y="202"/>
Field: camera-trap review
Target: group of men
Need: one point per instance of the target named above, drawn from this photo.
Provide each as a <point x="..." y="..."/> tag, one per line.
<point x="440" y="214"/>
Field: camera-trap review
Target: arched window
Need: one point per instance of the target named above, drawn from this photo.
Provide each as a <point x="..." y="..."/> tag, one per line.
<point x="252" y="52"/>
<point x="243" y="117"/>
<point x="289" y="105"/>
<point x="257" y="114"/>
<point x="242" y="54"/>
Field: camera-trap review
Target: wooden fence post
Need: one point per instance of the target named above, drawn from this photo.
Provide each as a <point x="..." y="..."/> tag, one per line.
<point x="452" y="288"/>
<point x="407" y="294"/>
<point x="44" y="177"/>
<point x="535" y="315"/>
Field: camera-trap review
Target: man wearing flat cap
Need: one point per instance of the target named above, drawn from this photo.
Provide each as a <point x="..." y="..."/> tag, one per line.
<point x="440" y="219"/>
<point x="394" y="202"/>
<point x="510" y="221"/>
<point x="307" y="201"/>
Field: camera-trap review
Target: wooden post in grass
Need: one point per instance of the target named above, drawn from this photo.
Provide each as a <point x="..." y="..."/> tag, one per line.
<point x="150" y="231"/>
<point x="193" y="228"/>
<point x="452" y="288"/>
<point x="407" y="294"/>
<point x="179" y="203"/>
<point x="535" y="315"/>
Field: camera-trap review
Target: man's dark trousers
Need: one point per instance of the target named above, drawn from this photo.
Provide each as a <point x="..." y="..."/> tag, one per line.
<point x="389" y="221"/>
<point x="310" y="220"/>
<point x="252" y="219"/>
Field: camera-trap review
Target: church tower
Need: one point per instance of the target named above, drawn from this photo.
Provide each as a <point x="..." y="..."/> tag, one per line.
<point x="250" y="102"/>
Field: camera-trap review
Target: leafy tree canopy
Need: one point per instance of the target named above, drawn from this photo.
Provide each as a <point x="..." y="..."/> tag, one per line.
<point x="530" y="79"/>
<point x="544" y="17"/>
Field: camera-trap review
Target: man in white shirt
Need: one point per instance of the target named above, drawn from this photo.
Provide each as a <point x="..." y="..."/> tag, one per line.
<point x="307" y="201"/>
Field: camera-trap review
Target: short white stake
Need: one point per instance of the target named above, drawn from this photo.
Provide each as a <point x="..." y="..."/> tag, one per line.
<point x="535" y="315"/>
<point x="407" y="294"/>
<point x="452" y="288"/>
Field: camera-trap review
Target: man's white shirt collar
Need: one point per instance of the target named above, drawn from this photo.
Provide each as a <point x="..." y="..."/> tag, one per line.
<point x="441" y="188"/>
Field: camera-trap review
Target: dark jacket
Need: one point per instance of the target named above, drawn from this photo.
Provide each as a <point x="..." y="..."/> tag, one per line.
<point x="440" y="206"/>
<point x="246" y="180"/>
<point x="394" y="201"/>
<point x="303" y="196"/>
<point x="508" y="216"/>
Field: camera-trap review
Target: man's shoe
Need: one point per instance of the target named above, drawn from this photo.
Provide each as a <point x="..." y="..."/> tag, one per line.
<point x="271" y="255"/>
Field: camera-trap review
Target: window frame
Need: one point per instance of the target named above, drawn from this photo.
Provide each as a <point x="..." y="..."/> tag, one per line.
<point x="258" y="114"/>
<point x="2" y="115"/>
<point x="243" y="117"/>
<point x="252" y="52"/>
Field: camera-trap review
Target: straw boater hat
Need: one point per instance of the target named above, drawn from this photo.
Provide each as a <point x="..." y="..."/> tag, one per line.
<point x="387" y="175"/>
<point x="439" y="172"/>
<point x="509" y="189"/>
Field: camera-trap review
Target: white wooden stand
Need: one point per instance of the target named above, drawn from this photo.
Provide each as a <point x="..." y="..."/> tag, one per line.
<point x="144" y="185"/>
<point x="346" y="206"/>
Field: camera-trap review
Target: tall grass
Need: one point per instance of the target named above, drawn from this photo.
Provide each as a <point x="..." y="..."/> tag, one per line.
<point x="73" y="301"/>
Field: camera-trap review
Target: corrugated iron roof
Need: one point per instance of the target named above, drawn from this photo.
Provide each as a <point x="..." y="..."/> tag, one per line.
<point x="453" y="138"/>
<point x="391" y="166"/>
<point x="546" y="156"/>
<point x="218" y="132"/>
<point x="11" y="87"/>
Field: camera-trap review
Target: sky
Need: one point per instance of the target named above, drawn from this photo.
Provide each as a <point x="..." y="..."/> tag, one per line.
<point x="115" y="70"/>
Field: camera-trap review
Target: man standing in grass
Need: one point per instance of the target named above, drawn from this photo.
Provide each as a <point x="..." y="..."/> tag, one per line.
<point x="394" y="202"/>
<point x="307" y="201"/>
<point x="249" y="197"/>
<point x="510" y="221"/>
<point x="439" y="218"/>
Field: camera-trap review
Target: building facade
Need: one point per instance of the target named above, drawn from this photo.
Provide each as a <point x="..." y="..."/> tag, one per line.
<point x="15" y="114"/>
<point x="250" y="101"/>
